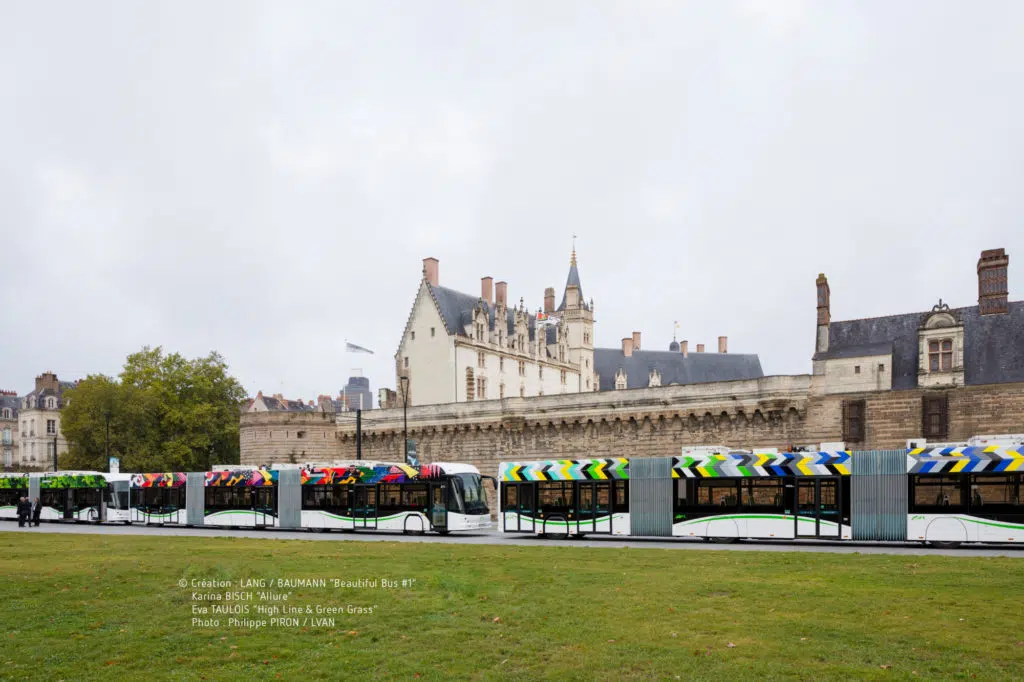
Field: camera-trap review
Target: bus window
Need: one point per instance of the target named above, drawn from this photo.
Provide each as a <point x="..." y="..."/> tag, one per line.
<point x="761" y="493"/>
<point x="717" y="492"/>
<point x="556" y="495"/>
<point x="994" y="494"/>
<point x="621" y="496"/>
<point x="937" y="494"/>
<point x="510" y="498"/>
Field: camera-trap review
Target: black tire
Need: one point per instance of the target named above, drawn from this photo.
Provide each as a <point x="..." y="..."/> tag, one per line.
<point x="724" y="541"/>
<point x="945" y="545"/>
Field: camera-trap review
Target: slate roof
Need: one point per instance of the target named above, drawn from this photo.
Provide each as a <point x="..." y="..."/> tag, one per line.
<point x="11" y="401"/>
<point x="993" y="344"/>
<point x="573" y="279"/>
<point x="675" y="368"/>
<point x="46" y="392"/>
<point x="275" y="405"/>
<point x="457" y="312"/>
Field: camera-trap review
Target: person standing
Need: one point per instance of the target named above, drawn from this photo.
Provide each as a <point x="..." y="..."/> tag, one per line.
<point x="23" y="510"/>
<point x="37" y="509"/>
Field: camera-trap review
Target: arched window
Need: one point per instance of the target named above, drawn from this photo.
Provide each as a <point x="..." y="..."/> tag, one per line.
<point x="940" y="355"/>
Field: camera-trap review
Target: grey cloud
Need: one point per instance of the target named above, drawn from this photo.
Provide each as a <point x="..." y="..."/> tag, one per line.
<point x="263" y="179"/>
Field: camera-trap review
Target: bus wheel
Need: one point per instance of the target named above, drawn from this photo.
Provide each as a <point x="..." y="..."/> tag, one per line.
<point x="945" y="545"/>
<point x="724" y="541"/>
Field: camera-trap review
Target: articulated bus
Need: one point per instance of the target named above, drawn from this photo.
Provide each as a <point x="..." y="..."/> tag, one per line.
<point x="350" y="496"/>
<point x="64" y="496"/>
<point x="937" y="495"/>
<point x="359" y="495"/>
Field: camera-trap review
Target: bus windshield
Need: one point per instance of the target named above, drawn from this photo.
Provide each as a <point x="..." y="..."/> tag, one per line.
<point x="473" y="494"/>
<point x="118" y="495"/>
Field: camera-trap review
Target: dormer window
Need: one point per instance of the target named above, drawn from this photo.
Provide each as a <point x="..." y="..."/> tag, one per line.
<point x="940" y="355"/>
<point x="941" y="349"/>
<point x="51" y="403"/>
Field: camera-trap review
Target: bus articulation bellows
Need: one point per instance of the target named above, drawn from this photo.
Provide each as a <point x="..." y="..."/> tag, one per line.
<point x="939" y="495"/>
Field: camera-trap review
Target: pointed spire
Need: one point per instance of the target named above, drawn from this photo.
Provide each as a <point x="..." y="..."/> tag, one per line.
<point x="573" y="280"/>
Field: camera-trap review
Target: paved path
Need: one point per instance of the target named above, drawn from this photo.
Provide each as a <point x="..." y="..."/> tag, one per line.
<point x="494" y="538"/>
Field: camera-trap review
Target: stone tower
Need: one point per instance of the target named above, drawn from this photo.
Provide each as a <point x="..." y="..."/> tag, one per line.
<point x="578" y="316"/>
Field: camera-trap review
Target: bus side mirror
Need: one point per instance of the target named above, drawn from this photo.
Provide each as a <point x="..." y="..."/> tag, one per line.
<point x="493" y="481"/>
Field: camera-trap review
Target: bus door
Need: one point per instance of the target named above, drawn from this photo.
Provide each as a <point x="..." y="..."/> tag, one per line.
<point x="67" y="498"/>
<point x="585" y="507"/>
<point x="439" y="506"/>
<point x="510" y="506"/>
<point x="263" y="505"/>
<point x="817" y="507"/>
<point x="364" y="506"/>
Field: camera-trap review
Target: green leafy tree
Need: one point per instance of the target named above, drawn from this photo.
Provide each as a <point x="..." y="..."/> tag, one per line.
<point x="167" y="413"/>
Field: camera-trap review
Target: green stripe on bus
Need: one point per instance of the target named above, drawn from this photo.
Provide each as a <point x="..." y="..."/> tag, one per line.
<point x="778" y="517"/>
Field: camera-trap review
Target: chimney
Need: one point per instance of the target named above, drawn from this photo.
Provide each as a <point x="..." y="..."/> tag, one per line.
<point x="636" y="340"/>
<point x="700" y="347"/>
<point x="627" y="346"/>
<point x="992" y="282"/>
<point x="430" y="266"/>
<point x="487" y="289"/>
<point x="501" y="293"/>
<point x="684" y="348"/>
<point x="824" y="314"/>
<point x="722" y="341"/>
<point x="549" y="300"/>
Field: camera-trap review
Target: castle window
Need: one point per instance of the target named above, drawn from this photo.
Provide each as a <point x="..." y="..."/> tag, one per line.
<point x="481" y="388"/>
<point x="935" y="417"/>
<point x="412" y="336"/>
<point x="563" y="376"/>
<point x="940" y="355"/>
<point x="540" y="372"/>
<point x="522" y="368"/>
<point x="432" y="332"/>
<point x="501" y="391"/>
<point x="881" y="368"/>
<point x="856" y="369"/>
<point x="853" y="421"/>
<point x="51" y="403"/>
<point x="51" y="427"/>
<point x="501" y="364"/>
<point x="588" y="384"/>
<point x="300" y="434"/>
<point x="481" y="361"/>
<point x="407" y="361"/>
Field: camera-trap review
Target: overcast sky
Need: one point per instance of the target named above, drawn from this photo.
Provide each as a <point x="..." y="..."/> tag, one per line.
<point x="264" y="179"/>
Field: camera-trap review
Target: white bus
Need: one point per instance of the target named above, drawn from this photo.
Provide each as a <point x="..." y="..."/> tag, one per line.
<point x="936" y="495"/>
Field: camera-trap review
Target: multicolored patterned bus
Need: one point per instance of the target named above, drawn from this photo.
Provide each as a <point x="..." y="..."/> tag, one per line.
<point x="936" y="495"/>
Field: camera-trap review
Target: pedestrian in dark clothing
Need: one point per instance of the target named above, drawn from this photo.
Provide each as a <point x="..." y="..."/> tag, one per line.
<point x="37" y="509"/>
<point x="23" y="511"/>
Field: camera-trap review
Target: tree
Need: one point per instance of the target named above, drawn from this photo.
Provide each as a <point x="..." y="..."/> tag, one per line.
<point x="167" y="413"/>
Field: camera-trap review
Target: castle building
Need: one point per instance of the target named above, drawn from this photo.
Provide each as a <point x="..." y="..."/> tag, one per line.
<point x="42" y="440"/>
<point x="457" y="347"/>
<point x="928" y="376"/>
<point x="937" y="350"/>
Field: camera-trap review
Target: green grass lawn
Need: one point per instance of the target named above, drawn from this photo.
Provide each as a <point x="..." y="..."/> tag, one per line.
<point x="95" y="607"/>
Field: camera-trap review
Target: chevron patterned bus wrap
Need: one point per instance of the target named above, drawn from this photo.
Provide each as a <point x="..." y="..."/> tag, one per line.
<point x="566" y="470"/>
<point x="753" y="464"/>
<point x="967" y="460"/>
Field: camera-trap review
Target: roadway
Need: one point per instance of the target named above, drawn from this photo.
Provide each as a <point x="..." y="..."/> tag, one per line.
<point x="492" y="537"/>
